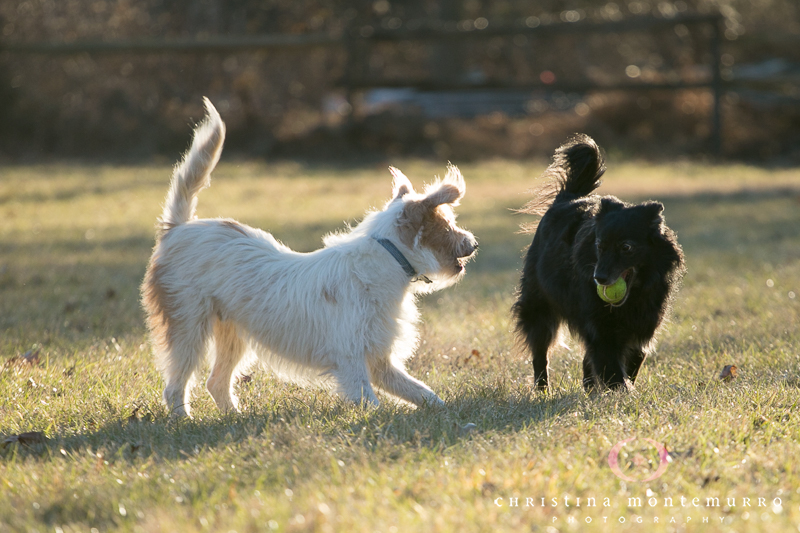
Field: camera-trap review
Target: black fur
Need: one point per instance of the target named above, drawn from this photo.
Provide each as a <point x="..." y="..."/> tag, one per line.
<point x="582" y="240"/>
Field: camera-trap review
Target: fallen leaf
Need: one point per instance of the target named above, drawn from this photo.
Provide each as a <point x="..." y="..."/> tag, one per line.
<point x="487" y="488"/>
<point x="468" y="428"/>
<point x="29" y="358"/>
<point x="475" y="353"/>
<point x="675" y="454"/>
<point x="247" y="378"/>
<point x="26" y="439"/>
<point x="728" y="373"/>
<point x="32" y="356"/>
<point x="134" y="417"/>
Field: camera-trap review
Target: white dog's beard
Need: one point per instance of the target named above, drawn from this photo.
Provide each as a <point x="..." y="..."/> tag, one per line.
<point x="438" y="281"/>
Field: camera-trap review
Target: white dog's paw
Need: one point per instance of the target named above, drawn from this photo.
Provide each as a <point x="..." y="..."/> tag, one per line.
<point x="180" y="412"/>
<point x="433" y="401"/>
<point x="369" y="403"/>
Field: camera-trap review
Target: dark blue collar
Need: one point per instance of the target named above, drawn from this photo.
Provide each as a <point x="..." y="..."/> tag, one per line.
<point x="400" y="258"/>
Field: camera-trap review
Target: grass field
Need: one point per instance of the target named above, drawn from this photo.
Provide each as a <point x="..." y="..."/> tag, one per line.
<point x="74" y="242"/>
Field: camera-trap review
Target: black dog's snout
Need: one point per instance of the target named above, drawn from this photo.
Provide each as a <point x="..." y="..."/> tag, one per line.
<point x="601" y="275"/>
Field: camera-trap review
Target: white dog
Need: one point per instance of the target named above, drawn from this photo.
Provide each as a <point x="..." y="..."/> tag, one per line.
<point x="343" y="316"/>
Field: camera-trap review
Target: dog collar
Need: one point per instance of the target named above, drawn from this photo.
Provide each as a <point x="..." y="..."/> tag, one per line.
<point x="400" y="258"/>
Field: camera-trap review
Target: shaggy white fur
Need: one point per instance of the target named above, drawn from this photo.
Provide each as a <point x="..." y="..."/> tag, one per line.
<point x="343" y="317"/>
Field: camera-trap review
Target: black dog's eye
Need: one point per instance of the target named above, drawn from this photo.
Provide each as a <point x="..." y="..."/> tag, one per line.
<point x="626" y="247"/>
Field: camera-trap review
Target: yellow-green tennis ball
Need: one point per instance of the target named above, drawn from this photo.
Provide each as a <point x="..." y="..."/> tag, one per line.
<point x="613" y="293"/>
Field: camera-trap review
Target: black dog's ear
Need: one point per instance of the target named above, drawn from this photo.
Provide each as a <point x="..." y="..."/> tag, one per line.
<point x="609" y="204"/>
<point x="654" y="210"/>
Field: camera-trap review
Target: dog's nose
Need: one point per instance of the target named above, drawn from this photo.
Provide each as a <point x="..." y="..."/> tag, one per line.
<point x="470" y="249"/>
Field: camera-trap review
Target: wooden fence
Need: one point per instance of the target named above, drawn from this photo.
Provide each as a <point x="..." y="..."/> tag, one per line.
<point x="356" y="41"/>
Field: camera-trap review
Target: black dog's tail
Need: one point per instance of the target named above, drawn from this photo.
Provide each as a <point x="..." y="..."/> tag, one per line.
<point x="577" y="167"/>
<point x="576" y="170"/>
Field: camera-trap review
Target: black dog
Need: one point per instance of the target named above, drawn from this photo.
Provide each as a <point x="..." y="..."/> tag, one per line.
<point x="581" y="242"/>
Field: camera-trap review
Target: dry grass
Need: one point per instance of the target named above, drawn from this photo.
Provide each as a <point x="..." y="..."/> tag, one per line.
<point x="73" y="246"/>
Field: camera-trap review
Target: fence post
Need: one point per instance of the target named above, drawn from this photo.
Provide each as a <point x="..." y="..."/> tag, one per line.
<point x="716" y="88"/>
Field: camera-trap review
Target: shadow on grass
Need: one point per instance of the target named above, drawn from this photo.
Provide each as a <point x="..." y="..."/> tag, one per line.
<point x="155" y="436"/>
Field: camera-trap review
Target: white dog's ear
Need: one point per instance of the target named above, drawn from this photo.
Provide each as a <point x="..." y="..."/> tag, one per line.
<point x="401" y="185"/>
<point x="449" y="191"/>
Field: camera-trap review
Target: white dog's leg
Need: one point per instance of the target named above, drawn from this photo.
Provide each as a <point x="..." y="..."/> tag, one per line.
<point x="229" y="349"/>
<point x="179" y="363"/>
<point x="353" y="384"/>
<point x="398" y="382"/>
<point x="176" y="394"/>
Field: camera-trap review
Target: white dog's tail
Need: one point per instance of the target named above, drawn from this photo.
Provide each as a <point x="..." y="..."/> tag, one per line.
<point x="193" y="173"/>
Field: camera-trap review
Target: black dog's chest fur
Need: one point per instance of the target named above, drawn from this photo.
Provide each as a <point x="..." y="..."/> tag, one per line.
<point x="583" y="238"/>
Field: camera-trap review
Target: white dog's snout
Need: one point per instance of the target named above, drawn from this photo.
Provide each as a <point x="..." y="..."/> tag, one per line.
<point x="468" y="247"/>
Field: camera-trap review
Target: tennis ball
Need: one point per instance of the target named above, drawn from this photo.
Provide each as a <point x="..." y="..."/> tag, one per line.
<point x="613" y="293"/>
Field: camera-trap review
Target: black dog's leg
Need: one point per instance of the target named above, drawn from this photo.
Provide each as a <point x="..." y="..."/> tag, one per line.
<point x="634" y="363"/>
<point x="541" y="345"/>
<point x="606" y="365"/>
<point x="539" y="325"/>
<point x="588" y="374"/>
